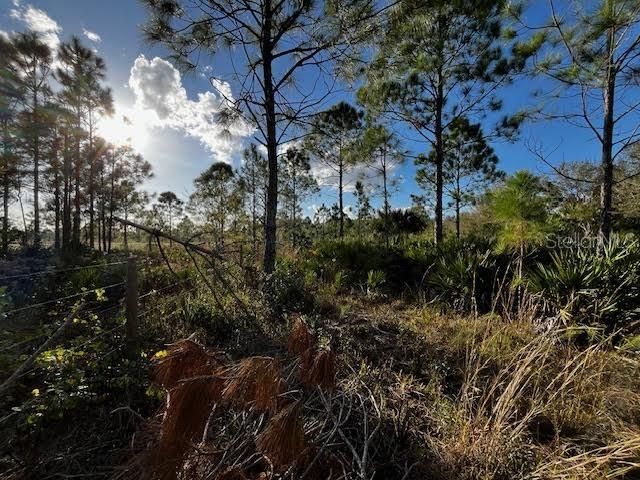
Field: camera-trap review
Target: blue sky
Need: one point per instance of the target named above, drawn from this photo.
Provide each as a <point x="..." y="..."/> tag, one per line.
<point x="179" y="147"/>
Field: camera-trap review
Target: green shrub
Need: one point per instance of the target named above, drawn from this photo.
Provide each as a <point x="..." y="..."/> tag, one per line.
<point x="375" y="281"/>
<point x="582" y="286"/>
<point x="286" y="289"/>
<point x="463" y="277"/>
<point x="356" y="259"/>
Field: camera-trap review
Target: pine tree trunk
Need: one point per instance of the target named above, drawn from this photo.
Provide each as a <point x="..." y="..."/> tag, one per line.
<point x="91" y="185"/>
<point x="272" y="142"/>
<point x="606" y="188"/>
<point x="386" y="197"/>
<point x="170" y="226"/>
<point x="457" y="218"/>
<point x="36" y="174"/>
<point x="6" y="178"/>
<point x="25" y="239"/>
<point x="5" y="211"/>
<point x="254" y="216"/>
<point x="340" y="194"/>
<point x="76" y="199"/>
<point x="66" y="194"/>
<point x="294" y="206"/>
<point x="56" y="199"/>
<point x="126" y="237"/>
<point x="111" y="206"/>
<point x="439" y="147"/>
<point x="457" y="200"/>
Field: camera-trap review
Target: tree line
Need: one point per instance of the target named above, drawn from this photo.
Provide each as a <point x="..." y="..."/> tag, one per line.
<point x="51" y="104"/>
<point x="435" y="70"/>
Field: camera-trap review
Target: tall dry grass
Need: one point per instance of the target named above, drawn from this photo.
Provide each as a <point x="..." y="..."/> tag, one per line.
<point x="542" y="415"/>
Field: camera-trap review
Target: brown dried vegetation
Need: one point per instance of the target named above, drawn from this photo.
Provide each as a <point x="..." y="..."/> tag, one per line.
<point x="282" y="441"/>
<point x="185" y="359"/>
<point x="232" y="473"/>
<point x="321" y="372"/>
<point x="254" y="382"/>
<point x="300" y="340"/>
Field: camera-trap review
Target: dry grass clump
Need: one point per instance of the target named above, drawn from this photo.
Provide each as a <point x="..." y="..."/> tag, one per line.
<point x="189" y="405"/>
<point x="317" y="463"/>
<point x="282" y="441"/>
<point x="321" y="372"/>
<point x="504" y="424"/>
<point x="300" y="339"/>
<point x="184" y="359"/>
<point x="618" y="459"/>
<point x="254" y="382"/>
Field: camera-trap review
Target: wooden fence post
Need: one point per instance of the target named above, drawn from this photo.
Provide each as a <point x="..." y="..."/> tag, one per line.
<point x="131" y="300"/>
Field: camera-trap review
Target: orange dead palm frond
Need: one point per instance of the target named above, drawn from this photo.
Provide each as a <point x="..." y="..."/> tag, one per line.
<point x="321" y="372"/>
<point x="282" y="441"/>
<point x="189" y="405"/>
<point x="300" y="340"/>
<point x="254" y="382"/>
<point x="232" y="473"/>
<point x="184" y="359"/>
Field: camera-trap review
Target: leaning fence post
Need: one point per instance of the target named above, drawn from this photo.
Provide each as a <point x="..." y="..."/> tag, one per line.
<point x="131" y="301"/>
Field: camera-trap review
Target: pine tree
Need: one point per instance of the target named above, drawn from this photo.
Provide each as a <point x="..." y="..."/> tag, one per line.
<point x="297" y="184"/>
<point x="439" y="60"/>
<point x="334" y="142"/>
<point x="591" y="50"/>
<point x="10" y="94"/>
<point x="79" y="74"/>
<point x="382" y="149"/>
<point x="470" y="165"/>
<point x="33" y="63"/>
<point x="279" y="39"/>
<point x="172" y="205"/>
<point x="363" y="205"/>
<point x="253" y="175"/>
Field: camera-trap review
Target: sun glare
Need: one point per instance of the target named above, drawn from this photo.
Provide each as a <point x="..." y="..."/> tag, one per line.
<point x="128" y="128"/>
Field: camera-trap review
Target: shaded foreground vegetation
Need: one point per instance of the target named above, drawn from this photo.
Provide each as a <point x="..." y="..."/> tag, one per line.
<point x="498" y="342"/>
<point x="421" y="363"/>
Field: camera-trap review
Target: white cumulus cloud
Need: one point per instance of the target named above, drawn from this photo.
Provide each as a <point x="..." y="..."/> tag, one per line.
<point x="38" y="21"/>
<point x="92" y="36"/>
<point x="158" y="88"/>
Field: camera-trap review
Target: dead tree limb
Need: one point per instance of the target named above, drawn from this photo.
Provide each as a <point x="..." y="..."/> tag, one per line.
<point x="159" y="233"/>
<point x="208" y="255"/>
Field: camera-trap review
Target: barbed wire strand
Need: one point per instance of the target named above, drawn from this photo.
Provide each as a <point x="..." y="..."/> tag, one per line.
<point x="158" y="307"/>
<point x="163" y="289"/>
<point x="62" y="270"/>
<point x="49" y="302"/>
<point x="148" y="262"/>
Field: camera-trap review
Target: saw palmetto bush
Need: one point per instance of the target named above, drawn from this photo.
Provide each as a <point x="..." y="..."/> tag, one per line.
<point x="465" y="276"/>
<point x="583" y="287"/>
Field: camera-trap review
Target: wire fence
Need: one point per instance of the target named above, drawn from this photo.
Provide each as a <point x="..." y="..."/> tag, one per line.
<point x="58" y="271"/>
<point x="123" y="293"/>
<point x="62" y="299"/>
